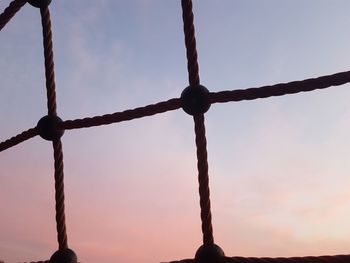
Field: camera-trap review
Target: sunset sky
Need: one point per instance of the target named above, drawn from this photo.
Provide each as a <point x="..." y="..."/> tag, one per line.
<point x="279" y="167"/>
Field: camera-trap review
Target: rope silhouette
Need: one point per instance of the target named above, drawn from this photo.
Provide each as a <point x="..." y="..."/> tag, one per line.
<point x="194" y="100"/>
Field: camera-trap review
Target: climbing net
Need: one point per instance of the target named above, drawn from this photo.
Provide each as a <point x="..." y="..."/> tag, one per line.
<point x="195" y="100"/>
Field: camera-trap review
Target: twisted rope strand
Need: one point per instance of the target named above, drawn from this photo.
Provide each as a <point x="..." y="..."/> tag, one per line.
<point x="10" y="11"/>
<point x="57" y="144"/>
<point x="49" y="64"/>
<point x="26" y="135"/>
<point x="281" y="89"/>
<point x="201" y="141"/>
<point x="202" y="163"/>
<point x="46" y="261"/>
<point x="127" y="115"/>
<point x="59" y="195"/>
<point x="203" y="179"/>
<point x="320" y="259"/>
<point x="190" y="42"/>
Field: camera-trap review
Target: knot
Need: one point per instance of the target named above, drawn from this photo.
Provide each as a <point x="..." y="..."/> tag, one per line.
<point x="209" y="253"/>
<point x="48" y="127"/>
<point x="65" y="255"/>
<point x="39" y="3"/>
<point x="195" y="100"/>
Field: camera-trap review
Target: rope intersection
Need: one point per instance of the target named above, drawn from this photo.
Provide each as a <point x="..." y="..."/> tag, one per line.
<point x="195" y="100"/>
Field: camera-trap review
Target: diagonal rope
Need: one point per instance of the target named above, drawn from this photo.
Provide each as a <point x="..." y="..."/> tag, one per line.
<point x="201" y="142"/>
<point x="26" y="135"/>
<point x="281" y="89"/>
<point x="10" y="11"/>
<point x="127" y="115"/>
<point x="57" y="144"/>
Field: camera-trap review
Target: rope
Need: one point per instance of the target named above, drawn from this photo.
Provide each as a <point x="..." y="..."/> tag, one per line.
<point x="201" y="141"/>
<point x="190" y="42"/>
<point x="46" y="261"/>
<point x="59" y="195"/>
<point x="10" y="11"/>
<point x="172" y="104"/>
<point x="57" y="144"/>
<point x="18" y="139"/>
<point x="127" y="115"/>
<point x="320" y="259"/>
<point x="281" y="88"/>
<point x="203" y="179"/>
<point x="49" y="64"/>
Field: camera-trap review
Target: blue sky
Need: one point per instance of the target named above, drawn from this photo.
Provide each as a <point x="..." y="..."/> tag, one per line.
<point x="278" y="166"/>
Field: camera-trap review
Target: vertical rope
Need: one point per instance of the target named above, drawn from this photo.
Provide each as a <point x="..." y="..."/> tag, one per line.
<point x="59" y="195"/>
<point x="190" y="42"/>
<point x="201" y="142"/>
<point x="203" y="179"/>
<point x="49" y="64"/>
<point x="57" y="144"/>
<point x="10" y="11"/>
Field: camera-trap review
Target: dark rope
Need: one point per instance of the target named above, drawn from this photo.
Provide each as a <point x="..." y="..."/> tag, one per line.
<point x="46" y="261"/>
<point x="203" y="179"/>
<point x="127" y="115"/>
<point x="320" y="259"/>
<point x="10" y="11"/>
<point x="57" y="145"/>
<point x="201" y="141"/>
<point x="202" y="163"/>
<point x="190" y="42"/>
<point x="281" y="88"/>
<point x="26" y="135"/>
<point x="59" y="195"/>
<point x="49" y="64"/>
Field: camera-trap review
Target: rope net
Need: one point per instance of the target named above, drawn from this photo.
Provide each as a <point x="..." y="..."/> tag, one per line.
<point x="194" y="100"/>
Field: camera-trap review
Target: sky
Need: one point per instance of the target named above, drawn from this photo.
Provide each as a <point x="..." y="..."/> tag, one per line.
<point x="279" y="168"/>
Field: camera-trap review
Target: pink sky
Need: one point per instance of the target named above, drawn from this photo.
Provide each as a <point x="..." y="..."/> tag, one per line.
<point x="278" y="167"/>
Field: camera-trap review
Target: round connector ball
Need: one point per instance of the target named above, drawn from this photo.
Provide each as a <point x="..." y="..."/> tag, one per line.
<point x="64" y="256"/>
<point x="195" y="100"/>
<point x="48" y="128"/>
<point x="39" y="3"/>
<point x="209" y="254"/>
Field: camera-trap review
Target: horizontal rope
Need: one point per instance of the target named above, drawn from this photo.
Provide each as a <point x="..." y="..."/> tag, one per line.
<point x="281" y="89"/>
<point x="127" y="115"/>
<point x="26" y="135"/>
<point x="321" y="259"/>
<point x="173" y="104"/>
<point x="10" y="11"/>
